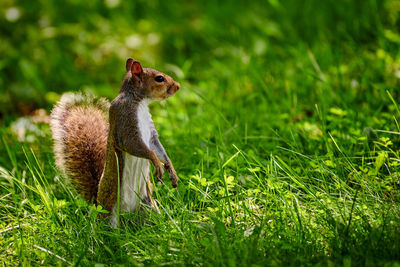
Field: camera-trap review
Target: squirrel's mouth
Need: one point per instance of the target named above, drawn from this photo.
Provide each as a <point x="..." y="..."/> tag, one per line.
<point x="172" y="90"/>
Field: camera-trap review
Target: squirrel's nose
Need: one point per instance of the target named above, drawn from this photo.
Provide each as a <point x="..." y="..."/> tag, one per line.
<point x="177" y="86"/>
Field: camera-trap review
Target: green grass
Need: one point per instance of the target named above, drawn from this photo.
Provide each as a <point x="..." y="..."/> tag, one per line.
<point x="285" y="134"/>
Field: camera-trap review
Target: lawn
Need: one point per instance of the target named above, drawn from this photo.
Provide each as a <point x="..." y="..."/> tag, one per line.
<point x="285" y="133"/>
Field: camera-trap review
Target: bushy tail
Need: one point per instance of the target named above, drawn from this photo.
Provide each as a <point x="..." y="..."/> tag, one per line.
<point x="79" y="123"/>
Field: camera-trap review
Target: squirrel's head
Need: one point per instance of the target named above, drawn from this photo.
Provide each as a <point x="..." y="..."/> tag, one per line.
<point x="149" y="83"/>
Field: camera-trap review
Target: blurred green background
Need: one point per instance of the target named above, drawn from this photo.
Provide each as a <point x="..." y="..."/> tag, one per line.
<point x="48" y="47"/>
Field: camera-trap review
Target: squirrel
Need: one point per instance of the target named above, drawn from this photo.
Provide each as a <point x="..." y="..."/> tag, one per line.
<point x="95" y="151"/>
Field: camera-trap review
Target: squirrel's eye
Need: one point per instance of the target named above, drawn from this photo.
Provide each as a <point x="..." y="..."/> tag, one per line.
<point x="159" y="78"/>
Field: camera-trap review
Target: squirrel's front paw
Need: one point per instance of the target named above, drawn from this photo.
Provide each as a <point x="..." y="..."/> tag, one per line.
<point x="172" y="174"/>
<point x="174" y="179"/>
<point x="159" y="172"/>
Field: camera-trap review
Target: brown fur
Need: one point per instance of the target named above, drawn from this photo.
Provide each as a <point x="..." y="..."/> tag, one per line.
<point x="80" y="129"/>
<point x="124" y="134"/>
<point x="86" y="144"/>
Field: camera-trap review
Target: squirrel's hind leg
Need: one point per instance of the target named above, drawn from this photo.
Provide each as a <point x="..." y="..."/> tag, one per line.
<point x="147" y="202"/>
<point x="147" y="199"/>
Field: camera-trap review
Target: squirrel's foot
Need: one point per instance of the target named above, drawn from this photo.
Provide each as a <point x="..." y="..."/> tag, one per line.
<point x="150" y="204"/>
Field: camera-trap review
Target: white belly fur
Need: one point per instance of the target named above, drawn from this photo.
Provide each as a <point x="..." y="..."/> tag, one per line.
<point x="136" y="170"/>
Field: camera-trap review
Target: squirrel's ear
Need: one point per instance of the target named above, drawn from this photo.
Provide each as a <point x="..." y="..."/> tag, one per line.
<point x="136" y="68"/>
<point x="129" y="62"/>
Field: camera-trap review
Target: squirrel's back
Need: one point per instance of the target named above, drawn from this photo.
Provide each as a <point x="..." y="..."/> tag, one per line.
<point x="79" y="123"/>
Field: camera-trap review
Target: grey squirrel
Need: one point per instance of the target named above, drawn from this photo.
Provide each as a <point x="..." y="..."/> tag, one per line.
<point x="94" y="151"/>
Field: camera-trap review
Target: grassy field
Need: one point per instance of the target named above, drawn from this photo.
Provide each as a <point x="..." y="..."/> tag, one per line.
<point x="285" y="134"/>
